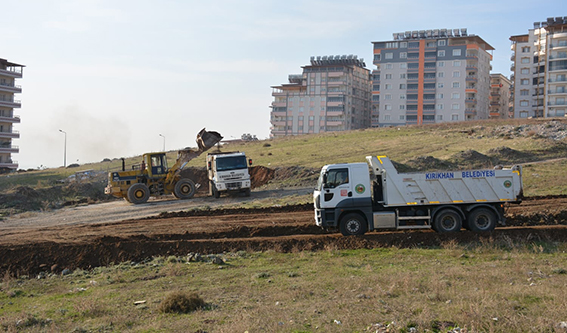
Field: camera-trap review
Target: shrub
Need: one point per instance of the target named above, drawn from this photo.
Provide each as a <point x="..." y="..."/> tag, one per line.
<point x="180" y="302"/>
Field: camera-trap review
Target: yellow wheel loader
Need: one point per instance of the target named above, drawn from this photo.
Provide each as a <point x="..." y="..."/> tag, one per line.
<point x="153" y="178"/>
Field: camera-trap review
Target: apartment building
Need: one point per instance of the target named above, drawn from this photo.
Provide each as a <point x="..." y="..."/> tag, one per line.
<point x="540" y="70"/>
<point x="332" y="94"/>
<point x="430" y="76"/>
<point x="9" y="72"/>
<point x="500" y="107"/>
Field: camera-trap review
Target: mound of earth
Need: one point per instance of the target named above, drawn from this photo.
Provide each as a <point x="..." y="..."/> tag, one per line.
<point x="503" y="155"/>
<point x="554" y="130"/>
<point x="429" y="163"/>
<point x="471" y="159"/>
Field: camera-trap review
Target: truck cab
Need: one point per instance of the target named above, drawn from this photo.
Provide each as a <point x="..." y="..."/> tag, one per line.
<point x="228" y="172"/>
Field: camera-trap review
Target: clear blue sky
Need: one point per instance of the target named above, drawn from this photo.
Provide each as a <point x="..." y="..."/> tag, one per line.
<point x="116" y="74"/>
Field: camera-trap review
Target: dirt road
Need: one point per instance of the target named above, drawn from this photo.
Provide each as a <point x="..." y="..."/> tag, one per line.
<point x="114" y="232"/>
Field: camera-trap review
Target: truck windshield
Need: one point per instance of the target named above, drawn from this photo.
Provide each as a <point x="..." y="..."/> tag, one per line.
<point x="231" y="163"/>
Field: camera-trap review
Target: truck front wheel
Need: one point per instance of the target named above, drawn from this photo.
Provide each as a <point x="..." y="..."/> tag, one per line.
<point x="353" y="224"/>
<point x="184" y="189"/>
<point x="447" y="220"/>
<point x="481" y="219"/>
<point x="138" y="193"/>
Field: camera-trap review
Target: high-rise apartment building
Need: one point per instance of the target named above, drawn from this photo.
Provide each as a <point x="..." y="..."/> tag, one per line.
<point x="500" y="97"/>
<point x="9" y="72"/>
<point x="540" y="70"/>
<point x="332" y="94"/>
<point x="430" y="76"/>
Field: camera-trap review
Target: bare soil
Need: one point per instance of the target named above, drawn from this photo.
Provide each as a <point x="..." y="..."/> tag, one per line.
<point x="70" y="239"/>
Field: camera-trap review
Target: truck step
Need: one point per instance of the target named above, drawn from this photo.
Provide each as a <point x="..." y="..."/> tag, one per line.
<point x="414" y="227"/>
<point x="414" y="217"/>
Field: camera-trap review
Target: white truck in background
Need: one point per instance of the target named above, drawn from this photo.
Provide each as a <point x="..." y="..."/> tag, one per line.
<point x="349" y="198"/>
<point x="228" y="172"/>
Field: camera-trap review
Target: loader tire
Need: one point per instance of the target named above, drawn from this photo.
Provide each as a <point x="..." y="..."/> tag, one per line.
<point x="138" y="193"/>
<point x="353" y="224"/>
<point x="481" y="220"/>
<point x="184" y="189"/>
<point x="447" y="220"/>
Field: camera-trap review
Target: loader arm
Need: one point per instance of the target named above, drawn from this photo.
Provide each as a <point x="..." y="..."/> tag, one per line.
<point x="205" y="140"/>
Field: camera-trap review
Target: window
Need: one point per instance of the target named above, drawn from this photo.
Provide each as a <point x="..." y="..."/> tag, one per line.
<point x="455" y="106"/>
<point x="456" y="85"/>
<point x="524" y="114"/>
<point x="402" y="117"/>
<point x="439" y="96"/>
<point x="525" y="49"/>
<point x="430" y="44"/>
<point x="439" y="106"/>
<point x="402" y="86"/>
<point x="440" y="85"/>
<point x="389" y="66"/>
<point x="402" y="96"/>
<point x="388" y="76"/>
<point x="392" y="45"/>
<point x="389" y="55"/>
<point x="441" y="42"/>
<point x="454" y="117"/>
<point x="455" y="96"/>
<point x="403" y="45"/>
<point x="439" y="117"/>
<point x="441" y="64"/>
<point x="386" y="117"/>
<point x="388" y="86"/>
<point x="456" y="74"/>
<point x="403" y="65"/>
<point x="525" y="82"/>
<point x="387" y="107"/>
<point x="524" y="103"/>
<point x="441" y="53"/>
<point x="457" y="63"/>
<point x="441" y="74"/>
<point x="336" y="177"/>
<point x="403" y="55"/>
<point x="402" y="107"/>
<point x="525" y="71"/>
<point x="388" y="96"/>
<point x="524" y="92"/>
<point x="525" y="60"/>
<point x="402" y="75"/>
<point x="456" y="52"/>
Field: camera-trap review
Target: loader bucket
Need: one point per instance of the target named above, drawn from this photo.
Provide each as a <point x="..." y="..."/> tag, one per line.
<point x="206" y="140"/>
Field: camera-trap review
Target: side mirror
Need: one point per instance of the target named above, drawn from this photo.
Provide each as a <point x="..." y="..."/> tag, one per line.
<point x="209" y="165"/>
<point x="324" y="180"/>
<point x="250" y="162"/>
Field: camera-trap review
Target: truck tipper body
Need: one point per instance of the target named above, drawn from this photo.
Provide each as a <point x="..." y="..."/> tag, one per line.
<point x="228" y="172"/>
<point x="360" y="197"/>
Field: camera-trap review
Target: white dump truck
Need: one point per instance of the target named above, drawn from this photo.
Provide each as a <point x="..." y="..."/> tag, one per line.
<point x="351" y="198"/>
<point x="228" y="172"/>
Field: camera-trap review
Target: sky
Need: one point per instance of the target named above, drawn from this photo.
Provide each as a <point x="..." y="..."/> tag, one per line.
<point x="123" y="77"/>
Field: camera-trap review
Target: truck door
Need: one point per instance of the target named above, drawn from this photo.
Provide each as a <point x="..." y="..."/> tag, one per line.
<point x="336" y="188"/>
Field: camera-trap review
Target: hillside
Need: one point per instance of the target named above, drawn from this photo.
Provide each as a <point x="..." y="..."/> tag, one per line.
<point x="541" y="145"/>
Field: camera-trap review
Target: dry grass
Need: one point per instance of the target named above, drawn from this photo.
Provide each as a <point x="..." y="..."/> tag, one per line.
<point x="181" y="302"/>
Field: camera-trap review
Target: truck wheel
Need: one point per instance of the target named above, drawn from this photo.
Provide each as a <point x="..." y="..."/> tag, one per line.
<point x="247" y="192"/>
<point x="138" y="193"/>
<point x="184" y="189"/>
<point x="216" y="192"/>
<point x="353" y="224"/>
<point x="447" y="221"/>
<point x="481" y="219"/>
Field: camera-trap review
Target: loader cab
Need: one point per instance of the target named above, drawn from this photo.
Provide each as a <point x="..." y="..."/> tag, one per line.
<point x="156" y="164"/>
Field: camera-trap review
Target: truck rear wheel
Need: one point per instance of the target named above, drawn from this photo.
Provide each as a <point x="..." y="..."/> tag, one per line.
<point x="184" y="189"/>
<point x="353" y="224"/>
<point x="447" y="220"/>
<point x="138" y="193"/>
<point x="481" y="219"/>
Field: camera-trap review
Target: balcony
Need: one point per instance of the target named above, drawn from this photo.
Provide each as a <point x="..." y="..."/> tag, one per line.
<point x="470" y="111"/>
<point x="470" y="100"/>
<point x="471" y="67"/>
<point x="9" y="149"/>
<point x="557" y="103"/>
<point x="552" y="91"/>
<point x="513" y="68"/>
<point x="471" y="78"/>
<point x="13" y="120"/>
<point x="562" y="55"/>
<point x="513" y="56"/>
<point x="10" y="164"/>
<point x="10" y="88"/>
<point x="10" y="134"/>
<point x="10" y="103"/>
<point x="560" y="79"/>
<point x="472" y="56"/>
<point x="15" y="72"/>
<point x="278" y="104"/>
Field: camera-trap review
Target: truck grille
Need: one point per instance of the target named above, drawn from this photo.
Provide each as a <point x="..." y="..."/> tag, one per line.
<point x="233" y="186"/>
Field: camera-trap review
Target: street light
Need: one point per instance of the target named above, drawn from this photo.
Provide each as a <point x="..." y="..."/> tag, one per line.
<point x="163" y="141"/>
<point x="64" y="149"/>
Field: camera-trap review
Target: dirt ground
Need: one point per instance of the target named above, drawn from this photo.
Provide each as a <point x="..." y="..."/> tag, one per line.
<point x="74" y="242"/>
